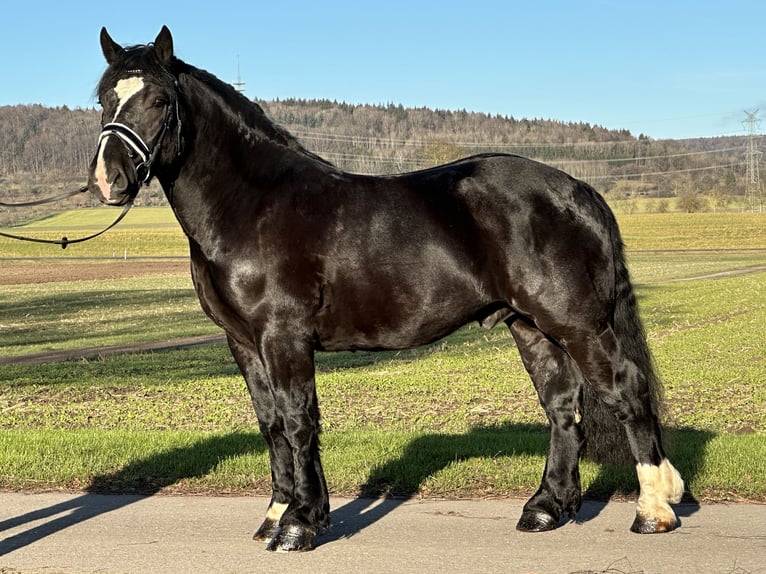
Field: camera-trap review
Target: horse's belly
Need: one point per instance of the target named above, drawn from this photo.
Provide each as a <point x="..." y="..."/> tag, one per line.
<point x="379" y="318"/>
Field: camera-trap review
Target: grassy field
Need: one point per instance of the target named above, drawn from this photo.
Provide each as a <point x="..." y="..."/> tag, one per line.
<point x="160" y="235"/>
<point x="459" y="418"/>
<point x="693" y="231"/>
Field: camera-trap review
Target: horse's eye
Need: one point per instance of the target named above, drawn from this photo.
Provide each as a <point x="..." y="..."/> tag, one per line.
<point x="160" y="102"/>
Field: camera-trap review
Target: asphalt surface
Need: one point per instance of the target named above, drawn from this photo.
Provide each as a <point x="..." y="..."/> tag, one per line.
<point x="56" y="533"/>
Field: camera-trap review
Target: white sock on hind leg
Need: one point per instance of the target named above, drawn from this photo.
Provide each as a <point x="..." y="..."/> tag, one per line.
<point x="660" y="485"/>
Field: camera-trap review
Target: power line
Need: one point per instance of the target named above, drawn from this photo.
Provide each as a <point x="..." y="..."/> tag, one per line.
<point x="322" y="136"/>
<point x="342" y="156"/>
<point x="668" y="172"/>
<point x="753" y="189"/>
<point x="378" y="142"/>
<point x="415" y="163"/>
<point x="390" y="142"/>
<point x="377" y="159"/>
<point x="645" y="157"/>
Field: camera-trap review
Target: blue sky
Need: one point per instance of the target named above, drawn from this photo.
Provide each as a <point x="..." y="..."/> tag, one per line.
<point x="667" y="69"/>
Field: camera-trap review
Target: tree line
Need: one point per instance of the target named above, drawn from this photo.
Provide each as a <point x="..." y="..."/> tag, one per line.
<point x="36" y="139"/>
<point x="43" y="148"/>
<point x="389" y="138"/>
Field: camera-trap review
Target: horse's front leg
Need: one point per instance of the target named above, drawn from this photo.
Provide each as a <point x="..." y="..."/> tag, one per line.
<point x="280" y="377"/>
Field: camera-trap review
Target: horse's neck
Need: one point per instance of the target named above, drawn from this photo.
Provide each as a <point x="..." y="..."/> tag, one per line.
<point x="228" y="168"/>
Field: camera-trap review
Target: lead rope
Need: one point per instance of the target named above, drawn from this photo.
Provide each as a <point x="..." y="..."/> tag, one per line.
<point x="83" y="189"/>
<point x="64" y="241"/>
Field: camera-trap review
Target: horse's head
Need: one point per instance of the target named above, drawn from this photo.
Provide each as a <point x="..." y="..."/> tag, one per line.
<point x="140" y="122"/>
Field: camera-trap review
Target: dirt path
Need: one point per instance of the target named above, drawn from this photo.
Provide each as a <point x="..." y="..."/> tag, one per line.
<point x="723" y="274"/>
<point x="90" y="353"/>
<point x="22" y="273"/>
<point x="50" y="271"/>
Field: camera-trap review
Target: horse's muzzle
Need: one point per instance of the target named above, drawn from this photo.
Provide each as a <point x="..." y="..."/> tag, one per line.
<point x="112" y="178"/>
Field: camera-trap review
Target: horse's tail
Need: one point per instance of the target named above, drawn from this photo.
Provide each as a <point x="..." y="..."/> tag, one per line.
<point x="605" y="436"/>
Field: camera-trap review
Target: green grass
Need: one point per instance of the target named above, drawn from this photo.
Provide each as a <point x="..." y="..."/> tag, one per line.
<point x="707" y="337"/>
<point x="694" y="230"/>
<point x="74" y="314"/>
<point x="649" y="267"/>
<point x="459" y="418"/>
<point x="149" y="218"/>
<point x="485" y="462"/>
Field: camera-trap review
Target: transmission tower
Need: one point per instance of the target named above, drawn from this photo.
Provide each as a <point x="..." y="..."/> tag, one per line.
<point x="753" y="189"/>
<point x="239" y="85"/>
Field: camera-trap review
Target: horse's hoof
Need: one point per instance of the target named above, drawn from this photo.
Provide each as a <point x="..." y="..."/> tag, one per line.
<point x="291" y="538"/>
<point x="642" y="525"/>
<point x="266" y="531"/>
<point x="536" y="521"/>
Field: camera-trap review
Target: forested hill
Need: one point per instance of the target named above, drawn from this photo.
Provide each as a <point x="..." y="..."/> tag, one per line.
<point x="45" y="148"/>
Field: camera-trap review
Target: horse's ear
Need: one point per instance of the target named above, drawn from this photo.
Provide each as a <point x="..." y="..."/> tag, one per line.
<point x="163" y="45"/>
<point x="111" y="49"/>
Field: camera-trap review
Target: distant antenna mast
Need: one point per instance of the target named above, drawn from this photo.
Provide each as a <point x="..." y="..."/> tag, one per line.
<point x="239" y="85"/>
<point x="753" y="189"/>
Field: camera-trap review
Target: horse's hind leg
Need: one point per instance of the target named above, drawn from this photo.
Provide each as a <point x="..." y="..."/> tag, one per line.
<point x="625" y="388"/>
<point x="558" y="382"/>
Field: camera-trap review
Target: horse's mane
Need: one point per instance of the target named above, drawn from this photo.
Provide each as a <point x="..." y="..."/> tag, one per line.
<point x="247" y="111"/>
<point x="144" y="58"/>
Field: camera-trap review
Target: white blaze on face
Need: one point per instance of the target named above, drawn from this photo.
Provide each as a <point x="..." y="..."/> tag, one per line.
<point x="125" y="89"/>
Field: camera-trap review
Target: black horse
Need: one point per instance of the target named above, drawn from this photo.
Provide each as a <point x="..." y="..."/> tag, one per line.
<point x="290" y="255"/>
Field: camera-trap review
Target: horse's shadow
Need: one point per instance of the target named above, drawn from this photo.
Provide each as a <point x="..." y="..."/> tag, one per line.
<point x="397" y="479"/>
<point x="394" y="482"/>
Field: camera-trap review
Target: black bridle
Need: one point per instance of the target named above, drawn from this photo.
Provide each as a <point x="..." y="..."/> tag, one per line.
<point x="136" y="147"/>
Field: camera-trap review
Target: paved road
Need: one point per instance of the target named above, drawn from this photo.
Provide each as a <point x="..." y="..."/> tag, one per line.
<point x="63" y="533"/>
